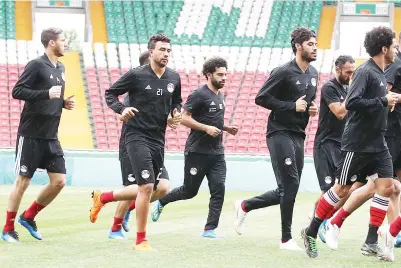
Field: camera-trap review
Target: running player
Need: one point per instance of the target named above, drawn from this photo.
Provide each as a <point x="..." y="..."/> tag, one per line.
<point x="204" y="151"/>
<point x="289" y="92"/>
<point x="41" y="86"/>
<point x="363" y="143"/>
<point x="125" y="207"/>
<point x="154" y="93"/>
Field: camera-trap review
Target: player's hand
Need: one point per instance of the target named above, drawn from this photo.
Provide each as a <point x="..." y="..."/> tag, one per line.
<point x="212" y="131"/>
<point x="392" y="100"/>
<point x="55" y="92"/>
<point x="313" y="109"/>
<point x="128" y="113"/>
<point x="233" y="130"/>
<point x="301" y="104"/>
<point x="69" y="103"/>
<point x="174" y="121"/>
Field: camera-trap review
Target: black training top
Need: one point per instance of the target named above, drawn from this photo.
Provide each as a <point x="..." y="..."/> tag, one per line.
<point x="41" y="115"/>
<point x="393" y="76"/>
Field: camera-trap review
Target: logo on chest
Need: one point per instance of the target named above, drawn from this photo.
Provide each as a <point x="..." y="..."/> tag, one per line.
<point x="170" y="87"/>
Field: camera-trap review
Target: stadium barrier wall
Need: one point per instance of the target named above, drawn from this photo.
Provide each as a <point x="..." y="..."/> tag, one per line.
<point x="102" y="169"/>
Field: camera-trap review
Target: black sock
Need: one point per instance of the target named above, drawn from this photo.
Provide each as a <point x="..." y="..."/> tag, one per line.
<point x="372" y="235"/>
<point x="314" y="227"/>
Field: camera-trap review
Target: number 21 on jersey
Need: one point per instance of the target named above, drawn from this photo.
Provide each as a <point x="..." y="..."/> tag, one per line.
<point x="159" y="92"/>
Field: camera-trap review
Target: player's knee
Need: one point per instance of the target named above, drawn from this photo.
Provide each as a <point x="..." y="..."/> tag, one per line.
<point x="146" y="189"/>
<point x="190" y="193"/>
<point x="397" y="187"/>
<point x="59" y="183"/>
<point x="163" y="187"/>
<point x="341" y="190"/>
<point x="386" y="189"/>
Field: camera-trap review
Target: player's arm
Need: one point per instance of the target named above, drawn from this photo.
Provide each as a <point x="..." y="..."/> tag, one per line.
<point x="267" y="96"/>
<point x="333" y="101"/>
<point x="23" y="89"/>
<point x="176" y="99"/>
<point x="121" y="86"/>
<point x="194" y="103"/>
<point x="354" y="100"/>
<point x="391" y="72"/>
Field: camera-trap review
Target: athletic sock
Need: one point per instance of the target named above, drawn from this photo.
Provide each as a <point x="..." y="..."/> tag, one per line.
<point x="372" y="235"/>
<point x="324" y="207"/>
<point x="140" y="237"/>
<point x="244" y="209"/>
<point x="33" y="210"/>
<point x="331" y="213"/>
<point x="340" y="218"/>
<point x="378" y="210"/>
<point x="107" y="197"/>
<point x="395" y="227"/>
<point x="117" y="224"/>
<point x="132" y="205"/>
<point x="10" y="219"/>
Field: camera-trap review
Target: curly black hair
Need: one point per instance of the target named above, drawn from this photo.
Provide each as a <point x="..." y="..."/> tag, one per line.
<point x="343" y="59"/>
<point x="144" y="58"/>
<point x="211" y="64"/>
<point x="377" y="38"/>
<point x="300" y="35"/>
<point x="156" y="38"/>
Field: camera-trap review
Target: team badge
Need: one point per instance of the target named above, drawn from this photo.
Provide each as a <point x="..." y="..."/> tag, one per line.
<point x="193" y="171"/>
<point x="313" y="81"/>
<point x="170" y="87"/>
<point x="145" y="174"/>
<point x="288" y="161"/>
<point x="327" y="180"/>
<point x="131" y="178"/>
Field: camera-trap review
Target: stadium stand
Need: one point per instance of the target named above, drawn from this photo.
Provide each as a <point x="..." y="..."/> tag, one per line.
<point x="253" y="35"/>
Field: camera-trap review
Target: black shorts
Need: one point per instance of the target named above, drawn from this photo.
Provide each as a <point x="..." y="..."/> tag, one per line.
<point x="32" y="153"/>
<point x="353" y="164"/>
<point x="128" y="175"/>
<point x="326" y="158"/>
<point x="146" y="159"/>
<point x="394" y="146"/>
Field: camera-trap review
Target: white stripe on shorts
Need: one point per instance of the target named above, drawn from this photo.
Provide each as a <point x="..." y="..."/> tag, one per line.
<point x="345" y="168"/>
<point x="18" y="158"/>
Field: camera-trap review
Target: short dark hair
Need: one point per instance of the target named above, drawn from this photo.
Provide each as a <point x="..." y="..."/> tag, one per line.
<point x="342" y="60"/>
<point x="300" y="35"/>
<point x="211" y="64"/>
<point x="156" y="38"/>
<point x="144" y="58"/>
<point x="377" y="38"/>
<point x="50" y="34"/>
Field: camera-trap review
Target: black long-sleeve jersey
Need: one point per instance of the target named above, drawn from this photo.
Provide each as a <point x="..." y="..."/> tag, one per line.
<point x="41" y="115"/>
<point x="152" y="96"/>
<point x="284" y="87"/>
<point x="367" y="110"/>
<point x="393" y="77"/>
<point x="330" y="127"/>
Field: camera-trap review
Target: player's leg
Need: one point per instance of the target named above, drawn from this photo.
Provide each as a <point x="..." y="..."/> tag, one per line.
<point x="53" y="161"/>
<point x="28" y="157"/>
<point x="121" y="216"/>
<point x="383" y="167"/>
<point x="162" y="189"/>
<point x="350" y="164"/>
<point x="195" y="168"/>
<point x="267" y="199"/>
<point x="216" y="180"/>
<point x="397" y="169"/>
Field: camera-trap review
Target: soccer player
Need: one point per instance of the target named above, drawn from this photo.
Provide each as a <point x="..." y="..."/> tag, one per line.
<point x="204" y="151"/>
<point x="41" y="86"/>
<point x="289" y="92"/>
<point x="125" y="207"/>
<point x="392" y="136"/>
<point x="154" y="93"/>
<point x="363" y="145"/>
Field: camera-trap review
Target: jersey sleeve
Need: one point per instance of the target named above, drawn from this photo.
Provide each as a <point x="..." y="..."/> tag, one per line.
<point x="267" y="96"/>
<point x="176" y="100"/>
<point x="390" y="72"/>
<point x="123" y="85"/>
<point x="329" y="94"/>
<point x="355" y="102"/>
<point x="194" y="101"/>
<point x="23" y="89"/>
